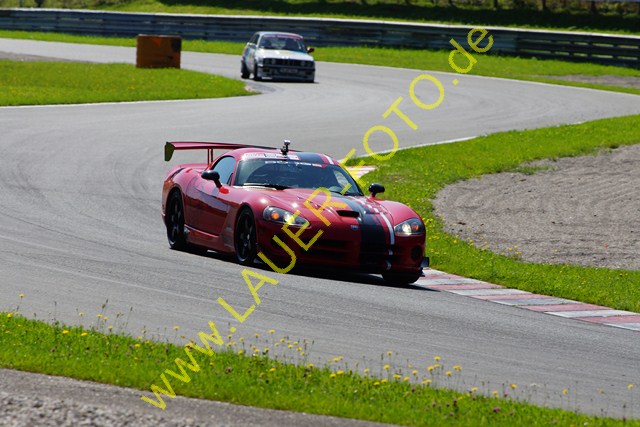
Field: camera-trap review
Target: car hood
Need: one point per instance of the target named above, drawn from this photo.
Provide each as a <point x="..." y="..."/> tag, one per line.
<point x="294" y="199"/>
<point x="284" y="54"/>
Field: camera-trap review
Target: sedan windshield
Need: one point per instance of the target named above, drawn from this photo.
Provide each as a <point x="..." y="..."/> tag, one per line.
<point x="281" y="174"/>
<point x="282" y="43"/>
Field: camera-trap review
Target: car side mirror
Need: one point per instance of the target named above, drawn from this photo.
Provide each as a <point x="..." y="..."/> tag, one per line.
<point x="375" y="189"/>
<point x="310" y="49"/>
<point x="211" y="175"/>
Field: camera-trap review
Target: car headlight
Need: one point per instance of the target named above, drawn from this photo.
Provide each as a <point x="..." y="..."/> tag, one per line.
<point x="259" y="60"/>
<point x="410" y="227"/>
<point x="273" y="214"/>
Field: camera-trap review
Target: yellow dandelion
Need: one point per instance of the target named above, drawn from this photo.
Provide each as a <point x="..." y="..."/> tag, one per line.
<point x="473" y="389"/>
<point x="495" y="393"/>
<point x="310" y="365"/>
<point x="396" y="376"/>
<point x="565" y="391"/>
<point x="256" y="350"/>
<point x="405" y="379"/>
<point x="299" y="348"/>
<point x="436" y="366"/>
<point x="376" y="384"/>
<point x="137" y="345"/>
<point x="81" y="314"/>
<point x="290" y="346"/>
<point x="272" y="370"/>
<point x="415" y="372"/>
<point x="513" y="386"/>
<point x="106" y="318"/>
<point x="630" y="386"/>
<point x="457" y="368"/>
<point x="386" y="367"/>
<point x="426" y="382"/>
<point x="272" y="331"/>
<point x="341" y="372"/>
<point x="65" y="332"/>
<point x="383" y="381"/>
<point x="448" y="373"/>
<point x="99" y="316"/>
<point x="430" y="368"/>
<point x="9" y="315"/>
<point x="176" y="327"/>
<point x="389" y="353"/>
<point x="302" y="353"/>
<point x="257" y="335"/>
<point x="437" y="358"/>
<point x="366" y="370"/>
<point x="240" y="352"/>
<point x="21" y="296"/>
<point x="110" y="327"/>
<point x="84" y="334"/>
<point x="332" y="376"/>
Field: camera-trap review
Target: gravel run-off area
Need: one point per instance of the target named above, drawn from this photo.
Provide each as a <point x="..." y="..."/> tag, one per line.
<point x="582" y="210"/>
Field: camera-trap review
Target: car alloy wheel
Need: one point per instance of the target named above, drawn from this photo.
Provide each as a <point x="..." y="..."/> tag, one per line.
<point x="175" y="222"/>
<point x="245" y="237"/>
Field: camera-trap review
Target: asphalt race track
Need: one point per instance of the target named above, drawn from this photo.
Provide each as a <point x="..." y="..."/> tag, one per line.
<point x="80" y="209"/>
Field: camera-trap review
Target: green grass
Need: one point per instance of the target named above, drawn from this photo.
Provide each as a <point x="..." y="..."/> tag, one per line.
<point x="561" y="14"/>
<point x="415" y="176"/>
<point x="260" y="381"/>
<point x="39" y="83"/>
<point x="549" y="71"/>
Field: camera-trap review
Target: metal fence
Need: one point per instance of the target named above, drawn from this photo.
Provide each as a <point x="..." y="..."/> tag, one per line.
<point x="569" y="46"/>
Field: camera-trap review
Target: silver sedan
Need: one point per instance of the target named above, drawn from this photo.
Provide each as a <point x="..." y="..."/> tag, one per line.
<point x="276" y="55"/>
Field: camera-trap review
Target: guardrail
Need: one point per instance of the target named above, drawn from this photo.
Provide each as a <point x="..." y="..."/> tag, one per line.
<point x="568" y="46"/>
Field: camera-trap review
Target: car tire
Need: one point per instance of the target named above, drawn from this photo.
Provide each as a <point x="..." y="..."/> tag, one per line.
<point x="401" y="278"/>
<point x="244" y="71"/>
<point x="245" y="241"/>
<point x="174" y="221"/>
<point x="255" y="73"/>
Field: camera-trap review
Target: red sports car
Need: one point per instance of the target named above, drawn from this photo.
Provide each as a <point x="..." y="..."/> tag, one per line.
<point x="288" y="208"/>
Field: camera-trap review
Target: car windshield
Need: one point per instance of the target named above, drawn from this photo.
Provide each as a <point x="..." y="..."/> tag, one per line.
<point x="282" y="43"/>
<point x="281" y="174"/>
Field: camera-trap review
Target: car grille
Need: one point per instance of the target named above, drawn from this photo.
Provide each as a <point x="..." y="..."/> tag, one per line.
<point x="289" y="62"/>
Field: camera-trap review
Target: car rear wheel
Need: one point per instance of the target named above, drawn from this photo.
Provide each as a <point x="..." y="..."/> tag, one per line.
<point x="245" y="237"/>
<point x="401" y="278"/>
<point x="175" y="222"/>
<point x="244" y="71"/>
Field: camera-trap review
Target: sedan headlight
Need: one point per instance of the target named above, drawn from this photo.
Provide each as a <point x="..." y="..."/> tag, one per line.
<point x="410" y="227"/>
<point x="273" y="214"/>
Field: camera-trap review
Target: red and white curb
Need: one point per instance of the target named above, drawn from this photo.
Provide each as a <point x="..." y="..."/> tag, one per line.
<point x="441" y="281"/>
<point x="359" y="171"/>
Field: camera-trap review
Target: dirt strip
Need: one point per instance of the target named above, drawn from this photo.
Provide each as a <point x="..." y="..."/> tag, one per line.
<point x="582" y="210"/>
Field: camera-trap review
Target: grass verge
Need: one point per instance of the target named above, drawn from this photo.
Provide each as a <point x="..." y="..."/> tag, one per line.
<point x="415" y="176"/>
<point x="231" y="375"/>
<point x="40" y="83"/>
<point x="547" y="71"/>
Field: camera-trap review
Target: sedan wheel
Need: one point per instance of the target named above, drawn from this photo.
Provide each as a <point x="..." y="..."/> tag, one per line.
<point x="256" y="77"/>
<point x="245" y="237"/>
<point x="244" y="71"/>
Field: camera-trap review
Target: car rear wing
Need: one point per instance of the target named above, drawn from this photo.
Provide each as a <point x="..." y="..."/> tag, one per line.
<point x="171" y="146"/>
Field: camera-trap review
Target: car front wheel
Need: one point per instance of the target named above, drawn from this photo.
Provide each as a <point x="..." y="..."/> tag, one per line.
<point x="175" y="222"/>
<point x="256" y="77"/>
<point x="245" y="238"/>
<point x="244" y="71"/>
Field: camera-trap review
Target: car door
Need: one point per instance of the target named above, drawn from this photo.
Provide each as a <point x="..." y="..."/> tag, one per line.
<point x="213" y="201"/>
<point x="249" y="53"/>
